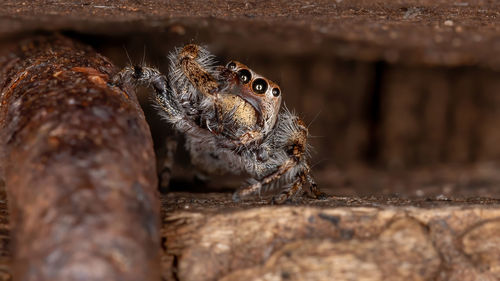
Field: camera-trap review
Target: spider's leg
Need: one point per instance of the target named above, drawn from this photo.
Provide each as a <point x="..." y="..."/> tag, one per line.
<point x="296" y="189"/>
<point x="314" y="190"/>
<point x="196" y="65"/>
<point x="170" y="107"/>
<point x="247" y="191"/>
<point x="292" y="192"/>
<point x="149" y="76"/>
<point x="256" y="187"/>
<point x="195" y="71"/>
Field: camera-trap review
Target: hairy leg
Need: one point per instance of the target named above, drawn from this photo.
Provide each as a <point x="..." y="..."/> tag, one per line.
<point x="257" y="186"/>
<point x="148" y="76"/>
<point x="314" y="190"/>
<point x="290" y="193"/>
<point x="197" y="74"/>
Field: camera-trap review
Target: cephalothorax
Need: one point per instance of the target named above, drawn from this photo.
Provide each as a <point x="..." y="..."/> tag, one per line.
<point x="232" y="121"/>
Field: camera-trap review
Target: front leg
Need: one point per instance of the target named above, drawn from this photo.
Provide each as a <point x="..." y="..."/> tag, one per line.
<point x="171" y="110"/>
<point x="314" y="190"/>
<point x="258" y="185"/>
<point x="292" y="192"/>
<point x="195" y="64"/>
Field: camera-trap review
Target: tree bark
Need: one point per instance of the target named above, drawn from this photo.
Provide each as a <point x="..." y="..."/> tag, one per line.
<point x="78" y="164"/>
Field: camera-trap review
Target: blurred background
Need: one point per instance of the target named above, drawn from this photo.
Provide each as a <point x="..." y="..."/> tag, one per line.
<point x="402" y="97"/>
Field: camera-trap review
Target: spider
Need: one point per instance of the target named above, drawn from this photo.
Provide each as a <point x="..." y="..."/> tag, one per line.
<point x="232" y="121"/>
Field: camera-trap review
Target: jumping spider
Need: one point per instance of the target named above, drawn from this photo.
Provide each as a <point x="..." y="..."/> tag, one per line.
<point x="232" y="121"/>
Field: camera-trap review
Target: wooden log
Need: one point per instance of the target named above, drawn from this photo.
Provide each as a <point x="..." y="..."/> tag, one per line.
<point x="210" y="238"/>
<point x="78" y="164"/>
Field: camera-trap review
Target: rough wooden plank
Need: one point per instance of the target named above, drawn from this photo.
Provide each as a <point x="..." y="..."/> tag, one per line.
<point x="5" y="244"/>
<point x="78" y="163"/>
<point x="439" y="241"/>
<point x="407" y="31"/>
<point x="207" y="236"/>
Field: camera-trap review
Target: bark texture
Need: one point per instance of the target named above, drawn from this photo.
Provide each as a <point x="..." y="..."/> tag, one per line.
<point x="78" y="164"/>
<point x="372" y="242"/>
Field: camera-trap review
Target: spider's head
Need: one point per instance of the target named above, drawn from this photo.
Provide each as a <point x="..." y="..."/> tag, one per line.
<point x="261" y="93"/>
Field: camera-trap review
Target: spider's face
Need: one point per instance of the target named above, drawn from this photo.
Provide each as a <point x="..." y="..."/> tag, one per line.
<point x="261" y="93"/>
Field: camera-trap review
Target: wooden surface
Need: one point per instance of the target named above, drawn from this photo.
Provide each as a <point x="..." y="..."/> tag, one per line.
<point x="408" y="31"/>
<point x="83" y="204"/>
<point x="402" y="96"/>
<point x="207" y="237"/>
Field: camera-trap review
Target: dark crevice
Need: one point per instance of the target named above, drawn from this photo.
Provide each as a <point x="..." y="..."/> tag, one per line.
<point x="175" y="268"/>
<point x="474" y="142"/>
<point x="373" y="113"/>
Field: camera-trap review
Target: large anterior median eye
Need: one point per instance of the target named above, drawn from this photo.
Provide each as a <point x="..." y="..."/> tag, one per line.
<point x="259" y="86"/>
<point x="245" y="76"/>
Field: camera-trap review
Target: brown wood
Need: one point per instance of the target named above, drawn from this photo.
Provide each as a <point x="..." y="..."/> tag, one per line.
<point x="79" y="169"/>
<point x="209" y="238"/>
<point x="408" y="85"/>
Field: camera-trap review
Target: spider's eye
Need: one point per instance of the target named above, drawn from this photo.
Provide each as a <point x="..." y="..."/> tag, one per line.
<point x="259" y="86"/>
<point x="276" y="92"/>
<point x="231" y="65"/>
<point x="137" y="72"/>
<point x="245" y="76"/>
